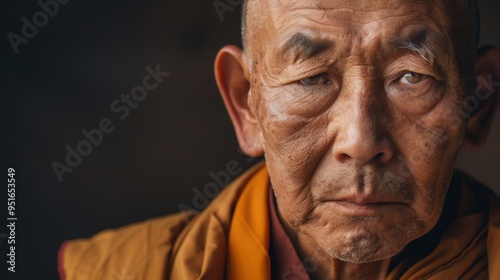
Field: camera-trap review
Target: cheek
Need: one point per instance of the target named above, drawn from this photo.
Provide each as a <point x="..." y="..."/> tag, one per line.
<point x="429" y="146"/>
<point x="293" y="151"/>
<point x="294" y="142"/>
<point x="436" y="139"/>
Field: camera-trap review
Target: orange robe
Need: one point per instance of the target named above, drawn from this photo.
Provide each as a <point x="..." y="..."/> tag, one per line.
<point x="230" y="240"/>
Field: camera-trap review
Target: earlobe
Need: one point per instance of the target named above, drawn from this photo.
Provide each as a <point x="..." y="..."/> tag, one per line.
<point x="232" y="77"/>
<point x="486" y="95"/>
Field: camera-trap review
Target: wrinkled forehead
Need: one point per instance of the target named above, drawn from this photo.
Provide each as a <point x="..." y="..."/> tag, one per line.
<point x="269" y="21"/>
<point x="274" y="20"/>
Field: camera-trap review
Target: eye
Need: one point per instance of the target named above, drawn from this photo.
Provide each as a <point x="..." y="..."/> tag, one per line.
<point x="412" y="78"/>
<point x="317" y="79"/>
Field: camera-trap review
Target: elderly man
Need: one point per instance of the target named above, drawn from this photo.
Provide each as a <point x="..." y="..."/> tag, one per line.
<point x="360" y="108"/>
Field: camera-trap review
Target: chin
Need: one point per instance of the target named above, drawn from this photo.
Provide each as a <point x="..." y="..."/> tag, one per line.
<point x="368" y="244"/>
<point x="364" y="248"/>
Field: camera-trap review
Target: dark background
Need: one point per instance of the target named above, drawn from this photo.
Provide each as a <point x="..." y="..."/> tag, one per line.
<point x="65" y="79"/>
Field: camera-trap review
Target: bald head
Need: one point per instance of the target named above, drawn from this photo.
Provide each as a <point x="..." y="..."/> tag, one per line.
<point x="466" y="9"/>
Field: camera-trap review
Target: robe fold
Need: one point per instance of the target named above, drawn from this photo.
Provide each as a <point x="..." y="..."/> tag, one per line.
<point x="230" y="239"/>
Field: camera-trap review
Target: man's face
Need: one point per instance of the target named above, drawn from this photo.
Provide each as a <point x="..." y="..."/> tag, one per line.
<point x="358" y="105"/>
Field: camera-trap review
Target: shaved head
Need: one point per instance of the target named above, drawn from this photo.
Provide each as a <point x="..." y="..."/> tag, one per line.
<point x="467" y="9"/>
<point x="463" y="18"/>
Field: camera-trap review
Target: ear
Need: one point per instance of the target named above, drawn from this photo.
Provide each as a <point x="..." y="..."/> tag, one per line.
<point x="232" y="77"/>
<point x="487" y="93"/>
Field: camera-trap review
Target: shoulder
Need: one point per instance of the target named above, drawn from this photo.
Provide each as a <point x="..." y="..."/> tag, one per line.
<point x="493" y="237"/>
<point x="145" y="250"/>
<point x="491" y="202"/>
<point x="131" y="250"/>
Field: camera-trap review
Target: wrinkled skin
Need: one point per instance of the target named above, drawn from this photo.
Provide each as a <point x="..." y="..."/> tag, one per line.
<point x="360" y="136"/>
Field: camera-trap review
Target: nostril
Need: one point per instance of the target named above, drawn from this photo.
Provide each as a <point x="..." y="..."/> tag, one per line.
<point x="383" y="156"/>
<point x="343" y="157"/>
<point x="363" y="155"/>
<point x="379" y="156"/>
<point x="364" y="144"/>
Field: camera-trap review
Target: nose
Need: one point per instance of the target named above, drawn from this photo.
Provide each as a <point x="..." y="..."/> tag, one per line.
<point x="363" y="134"/>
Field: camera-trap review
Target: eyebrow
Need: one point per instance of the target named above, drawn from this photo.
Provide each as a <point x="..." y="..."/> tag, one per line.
<point x="422" y="42"/>
<point x="303" y="47"/>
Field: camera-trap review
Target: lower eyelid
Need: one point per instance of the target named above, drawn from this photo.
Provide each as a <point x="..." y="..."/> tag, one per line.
<point x="422" y="86"/>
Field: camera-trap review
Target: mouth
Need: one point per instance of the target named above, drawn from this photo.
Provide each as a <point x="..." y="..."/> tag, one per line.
<point x="364" y="208"/>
